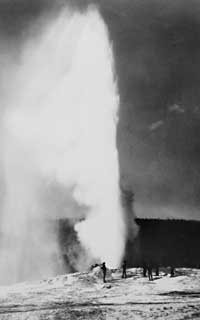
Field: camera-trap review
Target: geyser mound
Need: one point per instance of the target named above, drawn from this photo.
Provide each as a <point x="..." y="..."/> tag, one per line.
<point x="59" y="127"/>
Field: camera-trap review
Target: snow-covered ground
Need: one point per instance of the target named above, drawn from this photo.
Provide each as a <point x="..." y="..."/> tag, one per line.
<point x="84" y="296"/>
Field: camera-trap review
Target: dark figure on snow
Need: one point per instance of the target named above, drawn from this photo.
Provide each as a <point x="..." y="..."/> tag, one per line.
<point x="124" y="275"/>
<point x="103" y="268"/>
<point x="172" y="271"/>
<point x="157" y="271"/>
<point x="144" y="270"/>
<point x="149" y="269"/>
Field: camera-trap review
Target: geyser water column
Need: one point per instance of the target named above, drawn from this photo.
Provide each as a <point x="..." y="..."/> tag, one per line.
<point x="60" y="125"/>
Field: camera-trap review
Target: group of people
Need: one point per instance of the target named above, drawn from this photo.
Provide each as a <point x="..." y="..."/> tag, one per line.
<point x="103" y="268"/>
<point x="146" y="270"/>
<point x="149" y="270"/>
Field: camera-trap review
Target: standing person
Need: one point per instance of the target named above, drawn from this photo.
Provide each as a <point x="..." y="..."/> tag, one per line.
<point x="157" y="271"/>
<point x="124" y="275"/>
<point x="144" y="269"/>
<point x="172" y="271"/>
<point x="149" y="269"/>
<point x="103" y="268"/>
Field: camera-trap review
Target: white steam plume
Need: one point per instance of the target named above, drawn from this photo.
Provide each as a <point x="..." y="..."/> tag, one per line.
<point x="60" y="126"/>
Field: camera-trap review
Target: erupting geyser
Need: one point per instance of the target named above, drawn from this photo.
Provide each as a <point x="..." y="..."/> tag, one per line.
<point x="59" y="127"/>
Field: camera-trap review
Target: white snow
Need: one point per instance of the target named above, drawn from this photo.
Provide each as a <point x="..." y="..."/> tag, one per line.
<point x="85" y="296"/>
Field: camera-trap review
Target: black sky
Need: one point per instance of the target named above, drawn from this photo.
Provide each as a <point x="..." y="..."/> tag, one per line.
<point x="157" y="51"/>
<point x="157" y="57"/>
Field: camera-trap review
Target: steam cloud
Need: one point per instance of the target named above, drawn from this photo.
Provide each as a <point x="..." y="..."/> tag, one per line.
<point x="59" y="128"/>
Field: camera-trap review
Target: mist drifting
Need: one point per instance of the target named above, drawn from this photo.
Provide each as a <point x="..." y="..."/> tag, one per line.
<point x="59" y="128"/>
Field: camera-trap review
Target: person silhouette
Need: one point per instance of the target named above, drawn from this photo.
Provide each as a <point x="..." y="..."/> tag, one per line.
<point x="172" y="271"/>
<point x="124" y="275"/>
<point x="103" y="268"/>
<point x="149" y="269"/>
<point x="157" y="271"/>
<point x="144" y="269"/>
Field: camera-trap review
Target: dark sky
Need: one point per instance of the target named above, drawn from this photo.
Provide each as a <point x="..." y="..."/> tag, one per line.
<point x="157" y="51"/>
<point x="157" y="57"/>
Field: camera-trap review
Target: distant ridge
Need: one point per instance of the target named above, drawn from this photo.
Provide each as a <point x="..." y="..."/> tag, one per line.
<point x="165" y="242"/>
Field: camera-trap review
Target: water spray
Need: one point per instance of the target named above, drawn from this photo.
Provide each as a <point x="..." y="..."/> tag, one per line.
<point x="59" y="123"/>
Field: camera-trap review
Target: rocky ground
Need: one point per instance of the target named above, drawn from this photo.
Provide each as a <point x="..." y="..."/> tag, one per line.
<point x="84" y="296"/>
